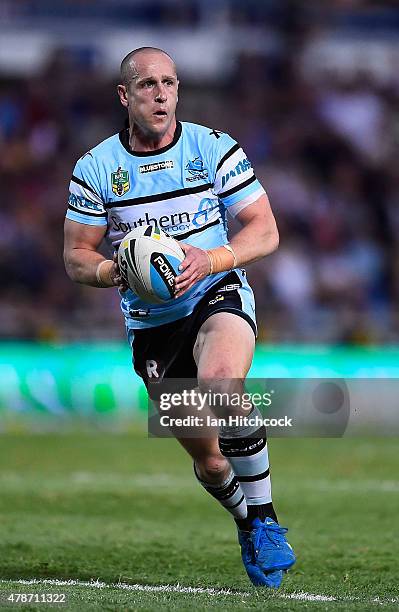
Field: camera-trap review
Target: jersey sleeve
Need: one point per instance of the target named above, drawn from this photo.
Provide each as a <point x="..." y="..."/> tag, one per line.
<point x="235" y="182"/>
<point x="85" y="204"/>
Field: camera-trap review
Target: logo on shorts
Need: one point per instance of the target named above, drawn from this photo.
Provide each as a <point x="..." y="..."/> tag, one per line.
<point x="120" y="181"/>
<point x="232" y="287"/>
<point x="218" y="298"/>
<point x="140" y="312"/>
<point x="162" y="165"/>
<point x="152" y="368"/>
<point x="196" y="170"/>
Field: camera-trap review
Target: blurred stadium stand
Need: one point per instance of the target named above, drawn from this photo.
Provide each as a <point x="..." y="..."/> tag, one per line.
<point x="310" y="90"/>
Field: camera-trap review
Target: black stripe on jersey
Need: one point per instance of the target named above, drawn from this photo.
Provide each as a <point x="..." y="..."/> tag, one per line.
<point x="79" y="181"/>
<point x="227" y="155"/>
<point x="195" y="231"/>
<point x="255" y="477"/>
<point x="158" y="197"/>
<point x="84" y="212"/>
<point x="230" y="192"/>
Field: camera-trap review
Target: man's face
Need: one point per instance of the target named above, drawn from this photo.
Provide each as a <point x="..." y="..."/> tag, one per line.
<point x="151" y="96"/>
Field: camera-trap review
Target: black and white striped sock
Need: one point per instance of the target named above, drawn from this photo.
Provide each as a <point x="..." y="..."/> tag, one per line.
<point x="229" y="493"/>
<point x="246" y="450"/>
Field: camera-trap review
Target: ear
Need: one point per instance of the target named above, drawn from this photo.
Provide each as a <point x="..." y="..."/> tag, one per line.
<point x="122" y="93"/>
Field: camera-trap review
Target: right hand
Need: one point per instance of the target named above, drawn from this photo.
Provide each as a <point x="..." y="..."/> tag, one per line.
<point x="194" y="267"/>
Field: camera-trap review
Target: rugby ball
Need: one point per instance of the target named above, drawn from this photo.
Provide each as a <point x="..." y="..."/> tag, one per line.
<point x="148" y="260"/>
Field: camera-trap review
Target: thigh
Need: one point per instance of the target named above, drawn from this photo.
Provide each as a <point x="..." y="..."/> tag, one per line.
<point x="224" y="347"/>
<point x="226" y="331"/>
<point x="162" y="353"/>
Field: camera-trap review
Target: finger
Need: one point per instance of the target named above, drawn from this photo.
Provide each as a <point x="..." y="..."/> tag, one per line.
<point x="185" y="274"/>
<point x="186" y="283"/>
<point x="183" y="282"/>
<point x="185" y="247"/>
<point x="185" y="265"/>
<point x="188" y="257"/>
<point x="185" y="289"/>
<point x="115" y="271"/>
<point x="182" y="278"/>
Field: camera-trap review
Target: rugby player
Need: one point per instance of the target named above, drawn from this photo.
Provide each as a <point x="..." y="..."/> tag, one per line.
<point x="184" y="178"/>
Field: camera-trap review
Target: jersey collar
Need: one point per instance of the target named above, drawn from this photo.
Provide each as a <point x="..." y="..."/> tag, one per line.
<point x="124" y="139"/>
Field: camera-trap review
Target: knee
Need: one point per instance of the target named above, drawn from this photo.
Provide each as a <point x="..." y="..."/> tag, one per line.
<point x="213" y="468"/>
<point x="222" y="385"/>
<point x="219" y="372"/>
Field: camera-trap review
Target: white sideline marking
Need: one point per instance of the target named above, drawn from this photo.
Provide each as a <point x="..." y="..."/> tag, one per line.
<point x="177" y="588"/>
<point x="301" y="596"/>
<point x="96" y="584"/>
<point x="147" y="588"/>
<point x="130" y="482"/>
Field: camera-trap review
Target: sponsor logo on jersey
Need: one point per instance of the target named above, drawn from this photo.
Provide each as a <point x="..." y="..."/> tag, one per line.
<point x="120" y="182"/>
<point x="175" y="223"/>
<point x="195" y="168"/>
<point x="242" y="166"/>
<point x="162" y="165"/>
<point x="81" y="202"/>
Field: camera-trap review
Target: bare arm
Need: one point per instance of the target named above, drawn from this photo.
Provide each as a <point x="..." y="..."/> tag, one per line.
<point x="259" y="235"/>
<point x="257" y="238"/>
<point x="82" y="258"/>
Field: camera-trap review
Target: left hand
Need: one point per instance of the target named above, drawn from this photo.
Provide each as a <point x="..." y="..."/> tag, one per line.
<point x="194" y="267"/>
<point x="116" y="275"/>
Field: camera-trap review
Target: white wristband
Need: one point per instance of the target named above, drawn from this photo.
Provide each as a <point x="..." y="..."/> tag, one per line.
<point x="231" y="250"/>
<point x="99" y="278"/>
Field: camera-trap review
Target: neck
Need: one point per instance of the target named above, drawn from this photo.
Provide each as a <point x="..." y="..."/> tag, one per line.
<point x="140" y="141"/>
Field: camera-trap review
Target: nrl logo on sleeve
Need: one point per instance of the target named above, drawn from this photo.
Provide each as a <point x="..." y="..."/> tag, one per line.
<point x="196" y="170"/>
<point x="120" y="181"/>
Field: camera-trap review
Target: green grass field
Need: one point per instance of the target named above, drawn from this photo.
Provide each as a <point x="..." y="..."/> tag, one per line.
<point x="126" y="509"/>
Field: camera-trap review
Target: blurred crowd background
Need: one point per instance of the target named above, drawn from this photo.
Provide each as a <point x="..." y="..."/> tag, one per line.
<point x="309" y="89"/>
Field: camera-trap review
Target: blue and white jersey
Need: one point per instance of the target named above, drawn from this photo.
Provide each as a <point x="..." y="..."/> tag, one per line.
<point x="185" y="188"/>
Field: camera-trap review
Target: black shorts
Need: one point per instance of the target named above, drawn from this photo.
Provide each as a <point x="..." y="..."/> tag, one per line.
<point x="166" y="351"/>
